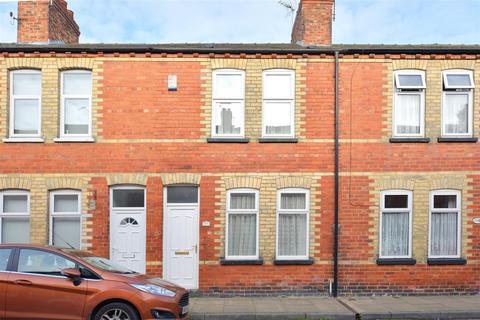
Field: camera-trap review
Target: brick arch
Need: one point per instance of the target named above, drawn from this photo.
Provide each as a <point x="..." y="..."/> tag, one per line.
<point x="452" y="183"/>
<point x="240" y="64"/>
<point x="242" y="182"/>
<point x="24" y="63"/>
<point x="138" y="179"/>
<point x="75" y="64"/>
<point x="279" y="64"/>
<point x="410" y="64"/>
<point x="294" y="182"/>
<point x="15" y="183"/>
<point x="405" y="183"/>
<point x="181" y="178"/>
<point x="66" y="183"/>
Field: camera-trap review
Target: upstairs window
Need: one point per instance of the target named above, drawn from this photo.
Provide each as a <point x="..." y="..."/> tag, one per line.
<point x="395" y="224"/>
<point x="25" y="103"/>
<point x="65" y="218"/>
<point x="228" y="112"/>
<point x="445" y="224"/>
<point x="409" y="104"/>
<point x="457" y="104"/>
<point x="15" y="216"/>
<point x="278" y="103"/>
<point x="76" y="104"/>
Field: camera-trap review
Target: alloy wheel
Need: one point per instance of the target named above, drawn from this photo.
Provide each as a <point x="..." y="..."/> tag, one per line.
<point x="115" y="314"/>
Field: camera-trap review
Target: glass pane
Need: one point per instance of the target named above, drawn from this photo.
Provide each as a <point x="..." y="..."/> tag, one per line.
<point x="242" y="234"/>
<point x="26" y="115"/>
<point x="15" y="230"/>
<point x="293" y="201"/>
<point x="278" y="86"/>
<point x="242" y="201"/>
<point x="396" y="201"/>
<point x="77" y="83"/>
<point x="76" y="116"/>
<point x="182" y="194"/>
<point x="66" y="232"/>
<point x="128" y="198"/>
<point x="395" y="230"/>
<point x="4" y="258"/>
<point x="277" y="118"/>
<point x="456" y="113"/>
<point x="42" y="262"/>
<point x="407" y="113"/>
<point x="445" y="201"/>
<point x="65" y="203"/>
<point x="229" y="86"/>
<point x="15" y="203"/>
<point x="292" y="235"/>
<point x="444" y="234"/>
<point x="410" y="80"/>
<point x="458" y="80"/>
<point x="27" y="83"/>
<point x="229" y="118"/>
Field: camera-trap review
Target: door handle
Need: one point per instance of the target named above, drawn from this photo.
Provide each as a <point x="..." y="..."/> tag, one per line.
<point x="23" y="282"/>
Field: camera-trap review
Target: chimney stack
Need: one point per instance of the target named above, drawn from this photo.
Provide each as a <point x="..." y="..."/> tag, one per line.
<point x="313" y="23"/>
<point x="46" y="21"/>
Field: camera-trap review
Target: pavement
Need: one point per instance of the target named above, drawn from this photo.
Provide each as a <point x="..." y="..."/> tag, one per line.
<point x="326" y="308"/>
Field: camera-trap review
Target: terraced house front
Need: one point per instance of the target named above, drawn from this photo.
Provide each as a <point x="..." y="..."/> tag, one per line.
<point x="252" y="169"/>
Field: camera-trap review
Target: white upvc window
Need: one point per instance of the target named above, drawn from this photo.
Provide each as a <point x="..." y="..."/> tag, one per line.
<point x="228" y="103"/>
<point x="292" y="224"/>
<point x="25" y="104"/>
<point x="15" y="216"/>
<point x="278" y="120"/>
<point x="445" y="224"/>
<point x="396" y="224"/>
<point x="457" y="103"/>
<point x="409" y="103"/>
<point x="76" y="104"/>
<point x="65" y="218"/>
<point x="242" y="224"/>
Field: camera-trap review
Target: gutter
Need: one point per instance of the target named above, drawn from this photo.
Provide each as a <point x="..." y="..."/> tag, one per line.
<point x="336" y="175"/>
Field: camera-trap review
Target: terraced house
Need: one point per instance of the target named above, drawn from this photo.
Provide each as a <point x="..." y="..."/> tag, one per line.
<point x="302" y="168"/>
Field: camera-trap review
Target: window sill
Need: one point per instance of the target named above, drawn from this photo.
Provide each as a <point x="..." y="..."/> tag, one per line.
<point x="444" y="139"/>
<point x="23" y="140"/>
<point x="409" y="140"/>
<point x="304" y="262"/>
<point x="396" y="261"/>
<point x="60" y="140"/>
<point x="228" y="140"/>
<point x="446" y="261"/>
<point x="232" y="262"/>
<point x="277" y="140"/>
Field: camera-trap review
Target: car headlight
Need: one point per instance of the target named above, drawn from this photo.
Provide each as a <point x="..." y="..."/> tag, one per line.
<point x="154" y="289"/>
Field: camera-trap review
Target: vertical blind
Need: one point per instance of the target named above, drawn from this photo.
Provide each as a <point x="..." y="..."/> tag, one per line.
<point x="15" y="230"/>
<point x="395" y="233"/>
<point x="66" y="232"/>
<point x="293" y="201"/>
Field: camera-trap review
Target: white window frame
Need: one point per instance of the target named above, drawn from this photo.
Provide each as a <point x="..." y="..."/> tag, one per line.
<point x="53" y="214"/>
<point x="254" y="211"/>
<point x="458" y="209"/>
<point x="305" y="211"/>
<point x="217" y="99"/>
<point x="16" y="214"/>
<point x="456" y="90"/>
<point x="409" y="90"/>
<point x="63" y="97"/>
<point x="13" y="97"/>
<point x="291" y="100"/>
<point x="408" y="210"/>
<point x="128" y="186"/>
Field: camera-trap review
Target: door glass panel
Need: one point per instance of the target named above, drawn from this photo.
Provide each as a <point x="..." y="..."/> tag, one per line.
<point x="42" y="262"/>
<point x="128" y="198"/>
<point x="182" y="194"/>
<point x="15" y="230"/>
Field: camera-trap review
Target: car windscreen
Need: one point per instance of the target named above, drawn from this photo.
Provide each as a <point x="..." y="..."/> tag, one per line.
<point x="100" y="263"/>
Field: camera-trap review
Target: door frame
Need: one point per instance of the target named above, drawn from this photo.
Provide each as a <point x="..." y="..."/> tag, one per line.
<point x="128" y="209"/>
<point x="165" y="269"/>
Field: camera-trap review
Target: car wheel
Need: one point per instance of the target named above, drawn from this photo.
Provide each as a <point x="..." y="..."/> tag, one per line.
<point x="116" y="311"/>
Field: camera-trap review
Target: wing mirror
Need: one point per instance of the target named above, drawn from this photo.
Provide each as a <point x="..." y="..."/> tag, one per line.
<point x="74" y="274"/>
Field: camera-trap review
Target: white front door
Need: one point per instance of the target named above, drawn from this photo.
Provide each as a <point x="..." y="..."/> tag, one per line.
<point x="181" y="236"/>
<point x="128" y="227"/>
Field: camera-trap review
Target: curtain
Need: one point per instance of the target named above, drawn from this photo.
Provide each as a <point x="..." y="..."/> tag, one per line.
<point x="277" y="117"/>
<point x="444" y="234"/>
<point x="66" y="230"/>
<point x="407" y="115"/>
<point x="242" y="201"/>
<point x="292" y="234"/>
<point x="293" y="201"/>
<point x="77" y="115"/>
<point x="15" y="230"/>
<point x="395" y="229"/>
<point x="456" y="113"/>
<point x="242" y="236"/>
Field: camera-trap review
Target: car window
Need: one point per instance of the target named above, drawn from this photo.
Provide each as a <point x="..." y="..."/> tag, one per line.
<point x="4" y="258"/>
<point x="42" y="262"/>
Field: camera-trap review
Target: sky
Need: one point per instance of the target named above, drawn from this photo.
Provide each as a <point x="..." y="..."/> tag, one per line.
<point x="264" y="21"/>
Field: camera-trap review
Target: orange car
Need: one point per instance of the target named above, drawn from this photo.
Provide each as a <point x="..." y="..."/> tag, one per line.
<point x="38" y="282"/>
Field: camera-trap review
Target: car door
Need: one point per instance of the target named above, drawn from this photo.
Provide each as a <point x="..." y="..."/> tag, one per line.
<point x="37" y="290"/>
<point x="6" y="255"/>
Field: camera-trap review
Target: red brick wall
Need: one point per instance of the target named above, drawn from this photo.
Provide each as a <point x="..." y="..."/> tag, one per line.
<point x="313" y="23"/>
